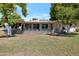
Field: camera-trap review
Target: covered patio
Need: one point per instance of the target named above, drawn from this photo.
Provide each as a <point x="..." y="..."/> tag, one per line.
<point x="40" y="25"/>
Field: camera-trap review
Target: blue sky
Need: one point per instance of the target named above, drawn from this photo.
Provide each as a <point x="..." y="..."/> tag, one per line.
<point x="0" y="15"/>
<point x="36" y="10"/>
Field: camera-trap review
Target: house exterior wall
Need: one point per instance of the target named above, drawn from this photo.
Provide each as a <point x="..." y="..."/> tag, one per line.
<point x="42" y="25"/>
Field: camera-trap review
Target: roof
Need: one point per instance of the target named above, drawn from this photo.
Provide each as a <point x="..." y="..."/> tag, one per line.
<point x="44" y="22"/>
<point x="35" y="22"/>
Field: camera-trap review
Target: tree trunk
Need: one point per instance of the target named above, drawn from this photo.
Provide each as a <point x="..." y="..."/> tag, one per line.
<point x="5" y="19"/>
<point x="67" y="21"/>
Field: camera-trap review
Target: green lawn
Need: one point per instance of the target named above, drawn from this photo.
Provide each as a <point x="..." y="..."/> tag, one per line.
<point x="39" y="44"/>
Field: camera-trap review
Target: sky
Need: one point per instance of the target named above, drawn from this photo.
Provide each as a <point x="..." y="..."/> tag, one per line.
<point x="36" y="10"/>
<point x="0" y="15"/>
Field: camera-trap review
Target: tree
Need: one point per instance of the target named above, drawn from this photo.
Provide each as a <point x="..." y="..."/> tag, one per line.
<point x="34" y="19"/>
<point x="13" y="18"/>
<point x="53" y="12"/>
<point x="67" y="12"/>
<point x="7" y="9"/>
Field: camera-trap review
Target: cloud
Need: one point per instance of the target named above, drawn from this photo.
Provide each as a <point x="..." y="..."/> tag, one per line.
<point x="39" y="16"/>
<point x="45" y="15"/>
<point x="32" y="16"/>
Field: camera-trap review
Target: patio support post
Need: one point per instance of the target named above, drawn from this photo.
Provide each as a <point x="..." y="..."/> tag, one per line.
<point x="31" y="26"/>
<point x="49" y="28"/>
<point x="40" y="27"/>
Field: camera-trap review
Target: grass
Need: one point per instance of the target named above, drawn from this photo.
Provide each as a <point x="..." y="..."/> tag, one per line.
<point x="32" y="44"/>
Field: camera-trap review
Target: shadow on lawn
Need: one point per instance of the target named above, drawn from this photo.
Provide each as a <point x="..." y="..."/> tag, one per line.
<point x="64" y="35"/>
<point x="6" y="36"/>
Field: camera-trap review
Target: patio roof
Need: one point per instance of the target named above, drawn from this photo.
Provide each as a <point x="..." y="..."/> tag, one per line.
<point x="38" y="22"/>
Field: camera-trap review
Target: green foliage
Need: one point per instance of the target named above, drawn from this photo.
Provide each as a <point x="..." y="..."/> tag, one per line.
<point x="12" y="19"/>
<point x="67" y="12"/>
<point x="24" y="10"/>
<point x="11" y="22"/>
<point x="1" y="22"/>
<point x="6" y="9"/>
<point x="34" y="18"/>
<point x="9" y="10"/>
<point x="53" y="12"/>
